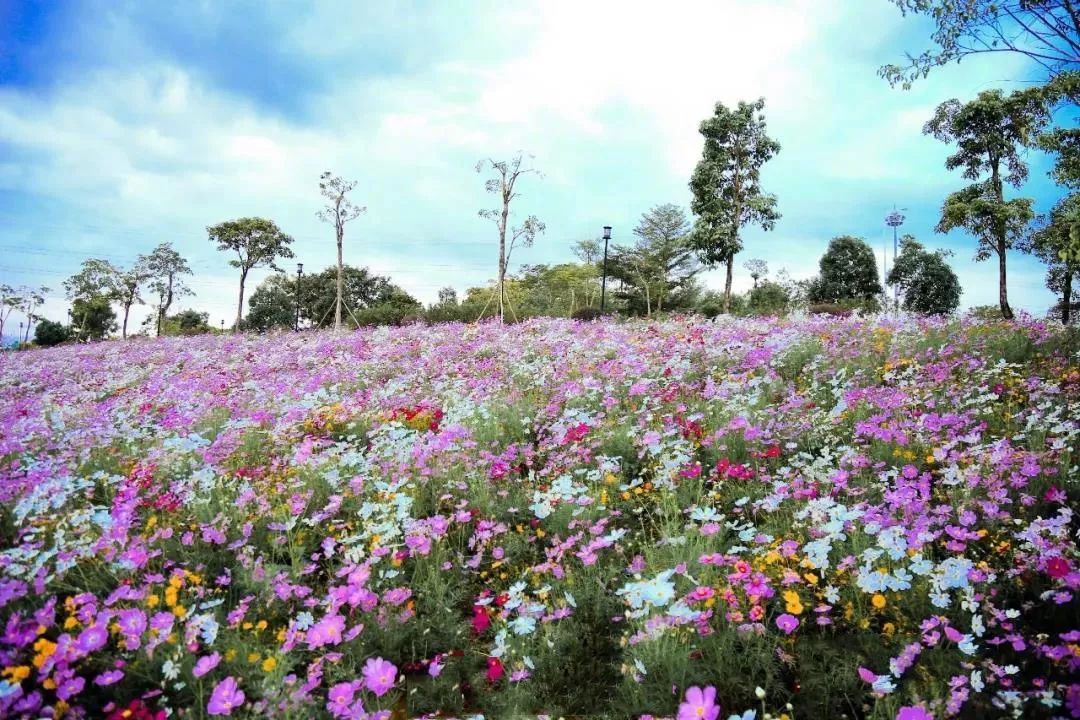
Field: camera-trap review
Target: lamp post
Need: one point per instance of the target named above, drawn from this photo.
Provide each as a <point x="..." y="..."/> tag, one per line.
<point x="603" y="281"/>
<point x="299" y="274"/>
<point x="894" y="220"/>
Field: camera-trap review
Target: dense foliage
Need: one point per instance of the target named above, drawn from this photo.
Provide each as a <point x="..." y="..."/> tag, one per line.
<point x="870" y="518"/>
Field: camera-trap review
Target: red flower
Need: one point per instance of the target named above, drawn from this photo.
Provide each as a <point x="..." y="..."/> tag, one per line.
<point x="1057" y="567"/>
<point x="494" y="669"/>
<point x="480" y="619"/>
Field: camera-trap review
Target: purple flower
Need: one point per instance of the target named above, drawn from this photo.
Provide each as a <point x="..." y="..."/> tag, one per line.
<point x="92" y="638"/>
<point x="226" y="696"/>
<point x="787" y="623"/>
<point x="699" y="704"/>
<point x="913" y="712"/>
<point x="132" y="624"/>
<point x="70" y="688"/>
<point x="109" y="677"/>
<point x="379" y="675"/>
<point x="205" y="664"/>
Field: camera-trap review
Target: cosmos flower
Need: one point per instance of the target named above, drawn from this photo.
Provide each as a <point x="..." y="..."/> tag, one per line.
<point x="699" y="704"/>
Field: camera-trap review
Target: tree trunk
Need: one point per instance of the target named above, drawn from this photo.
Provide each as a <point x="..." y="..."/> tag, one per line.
<point x="240" y="303"/>
<point x="727" y="283"/>
<point x="123" y="331"/>
<point x="502" y="256"/>
<point x="1066" y="297"/>
<point x="1003" y="291"/>
<point x="340" y="275"/>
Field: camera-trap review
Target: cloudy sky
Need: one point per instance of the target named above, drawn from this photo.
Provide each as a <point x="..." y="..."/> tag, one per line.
<point x="126" y="124"/>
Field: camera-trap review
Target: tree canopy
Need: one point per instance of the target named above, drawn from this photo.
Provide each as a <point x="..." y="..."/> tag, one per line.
<point x="848" y="272"/>
<point x="928" y="284"/>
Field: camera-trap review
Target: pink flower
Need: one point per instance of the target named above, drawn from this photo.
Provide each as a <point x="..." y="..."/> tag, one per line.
<point x="326" y="632"/>
<point x="205" y="664"/>
<point x="913" y="712"/>
<point x="379" y="675"/>
<point x="494" y="669"/>
<point x="226" y="696"/>
<point x="699" y="704"/>
<point x="787" y="623"/>
<point x="339" y="700"/>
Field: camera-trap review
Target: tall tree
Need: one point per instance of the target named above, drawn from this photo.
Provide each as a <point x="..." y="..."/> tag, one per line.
<point x="95" y="317"/>
<point x="10" y="298"/>
<point x="168" y="268"/>
<point x="129" y="286"/>
<point x="339" y="210"/>
<point x="1054" y="241"/>
<point x="726" y="187"/>
<point x="98" y="281"/>
<point x="927" y="282"/>
<point x="661" y="265"/>
<point x="31" y="299"/>
<point x="1047" y="32"/>
<point x="848" y="272"/>
<point x="257" y="242"/>
<point x="505" y="176"/>
<point x="990" y="133"/>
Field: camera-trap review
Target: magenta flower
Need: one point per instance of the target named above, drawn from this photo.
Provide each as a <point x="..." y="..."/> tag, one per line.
<point x="787" y="623"/>
<point x="326" y="632"/>
<point x="379" y="675"/>
<point x="699" y="704"/>
<point x="225" y="697"/>
<point x="109" y="677"/>
<point x="339" y="700"/>
<point x="913" y="712"/>
<point x="205" y="664"/>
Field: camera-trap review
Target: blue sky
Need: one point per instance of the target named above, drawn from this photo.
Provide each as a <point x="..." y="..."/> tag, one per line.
<point x="125" y="124"/>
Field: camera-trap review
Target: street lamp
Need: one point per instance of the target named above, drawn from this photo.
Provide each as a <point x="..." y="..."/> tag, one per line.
<point x="299" y="274"/>
<point x="603" y="281"/>
<point x="894" y="220"/>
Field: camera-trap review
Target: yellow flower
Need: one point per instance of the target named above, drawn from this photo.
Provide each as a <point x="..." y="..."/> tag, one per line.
<point x="793" y="602"/>
<point x="269" y="664"/>
<point x="152" y="600"/>
<point x="878" y="601"/>
<point x="888" y="629"/>
<point x="17" y="673"/>
<point x="70" y="622"/>
<point x="230" y="655"/>
<point x="261" y="625"/>
<point x="179" y="611"/>
<point x="253" y="657"/>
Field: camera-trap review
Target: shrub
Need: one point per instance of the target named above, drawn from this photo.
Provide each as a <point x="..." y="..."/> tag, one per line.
<point x="49" y="333"/>
<point x="586" y="313"/>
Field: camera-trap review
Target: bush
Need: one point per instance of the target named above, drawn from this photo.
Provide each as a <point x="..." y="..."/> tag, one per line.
<point x="586" y="313"/>
<point x="49" y="333"/>
<point x="768" y="298"/>
<point x="834" y="309"/>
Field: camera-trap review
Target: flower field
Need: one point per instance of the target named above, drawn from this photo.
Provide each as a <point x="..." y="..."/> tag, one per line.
<point x="806" y="518"/>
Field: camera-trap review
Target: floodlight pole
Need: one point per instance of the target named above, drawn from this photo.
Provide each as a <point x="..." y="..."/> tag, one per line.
<point x="603" y="281"/>
<point x="894" y="220"/>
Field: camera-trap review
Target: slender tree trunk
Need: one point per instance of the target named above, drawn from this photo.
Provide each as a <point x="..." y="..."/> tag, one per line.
<point x="240" y="303"/>
<point x="340" y="270"/>
<point x="1003" y="290"/>
<point x="727" y="283"/>
<point x="502" y="257"/>
<point x="123" y="331"/>
<point x="1066" y="297"/>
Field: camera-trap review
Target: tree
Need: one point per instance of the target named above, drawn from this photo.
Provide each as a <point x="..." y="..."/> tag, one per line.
<point x="129" y="284"/>
<point x="10" y="299"/>
<point x="591" y="253"/>
<point x="660" y="269"/>
<point x="925" y="279"/>
<point x="727" y="194"/>
<point x="49" y="333"/>
<point x="339" y="210"/>
<point x="757" y="269"/>
<point x="30" y="300"/>
<point x="448" y="296"/>
<point x="95" y="315"/>
<point x="848" y="272"/>
<point x="503" y="184"/>
<point x="273" y="304"/>
<point x="1053" y="241"/>
<point x="1047" y="32"/>
<point x="257" y="242"/>
<point x="167" y="268"/>
<point x="990" y="133"/>
<point x="97" y="283"/>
